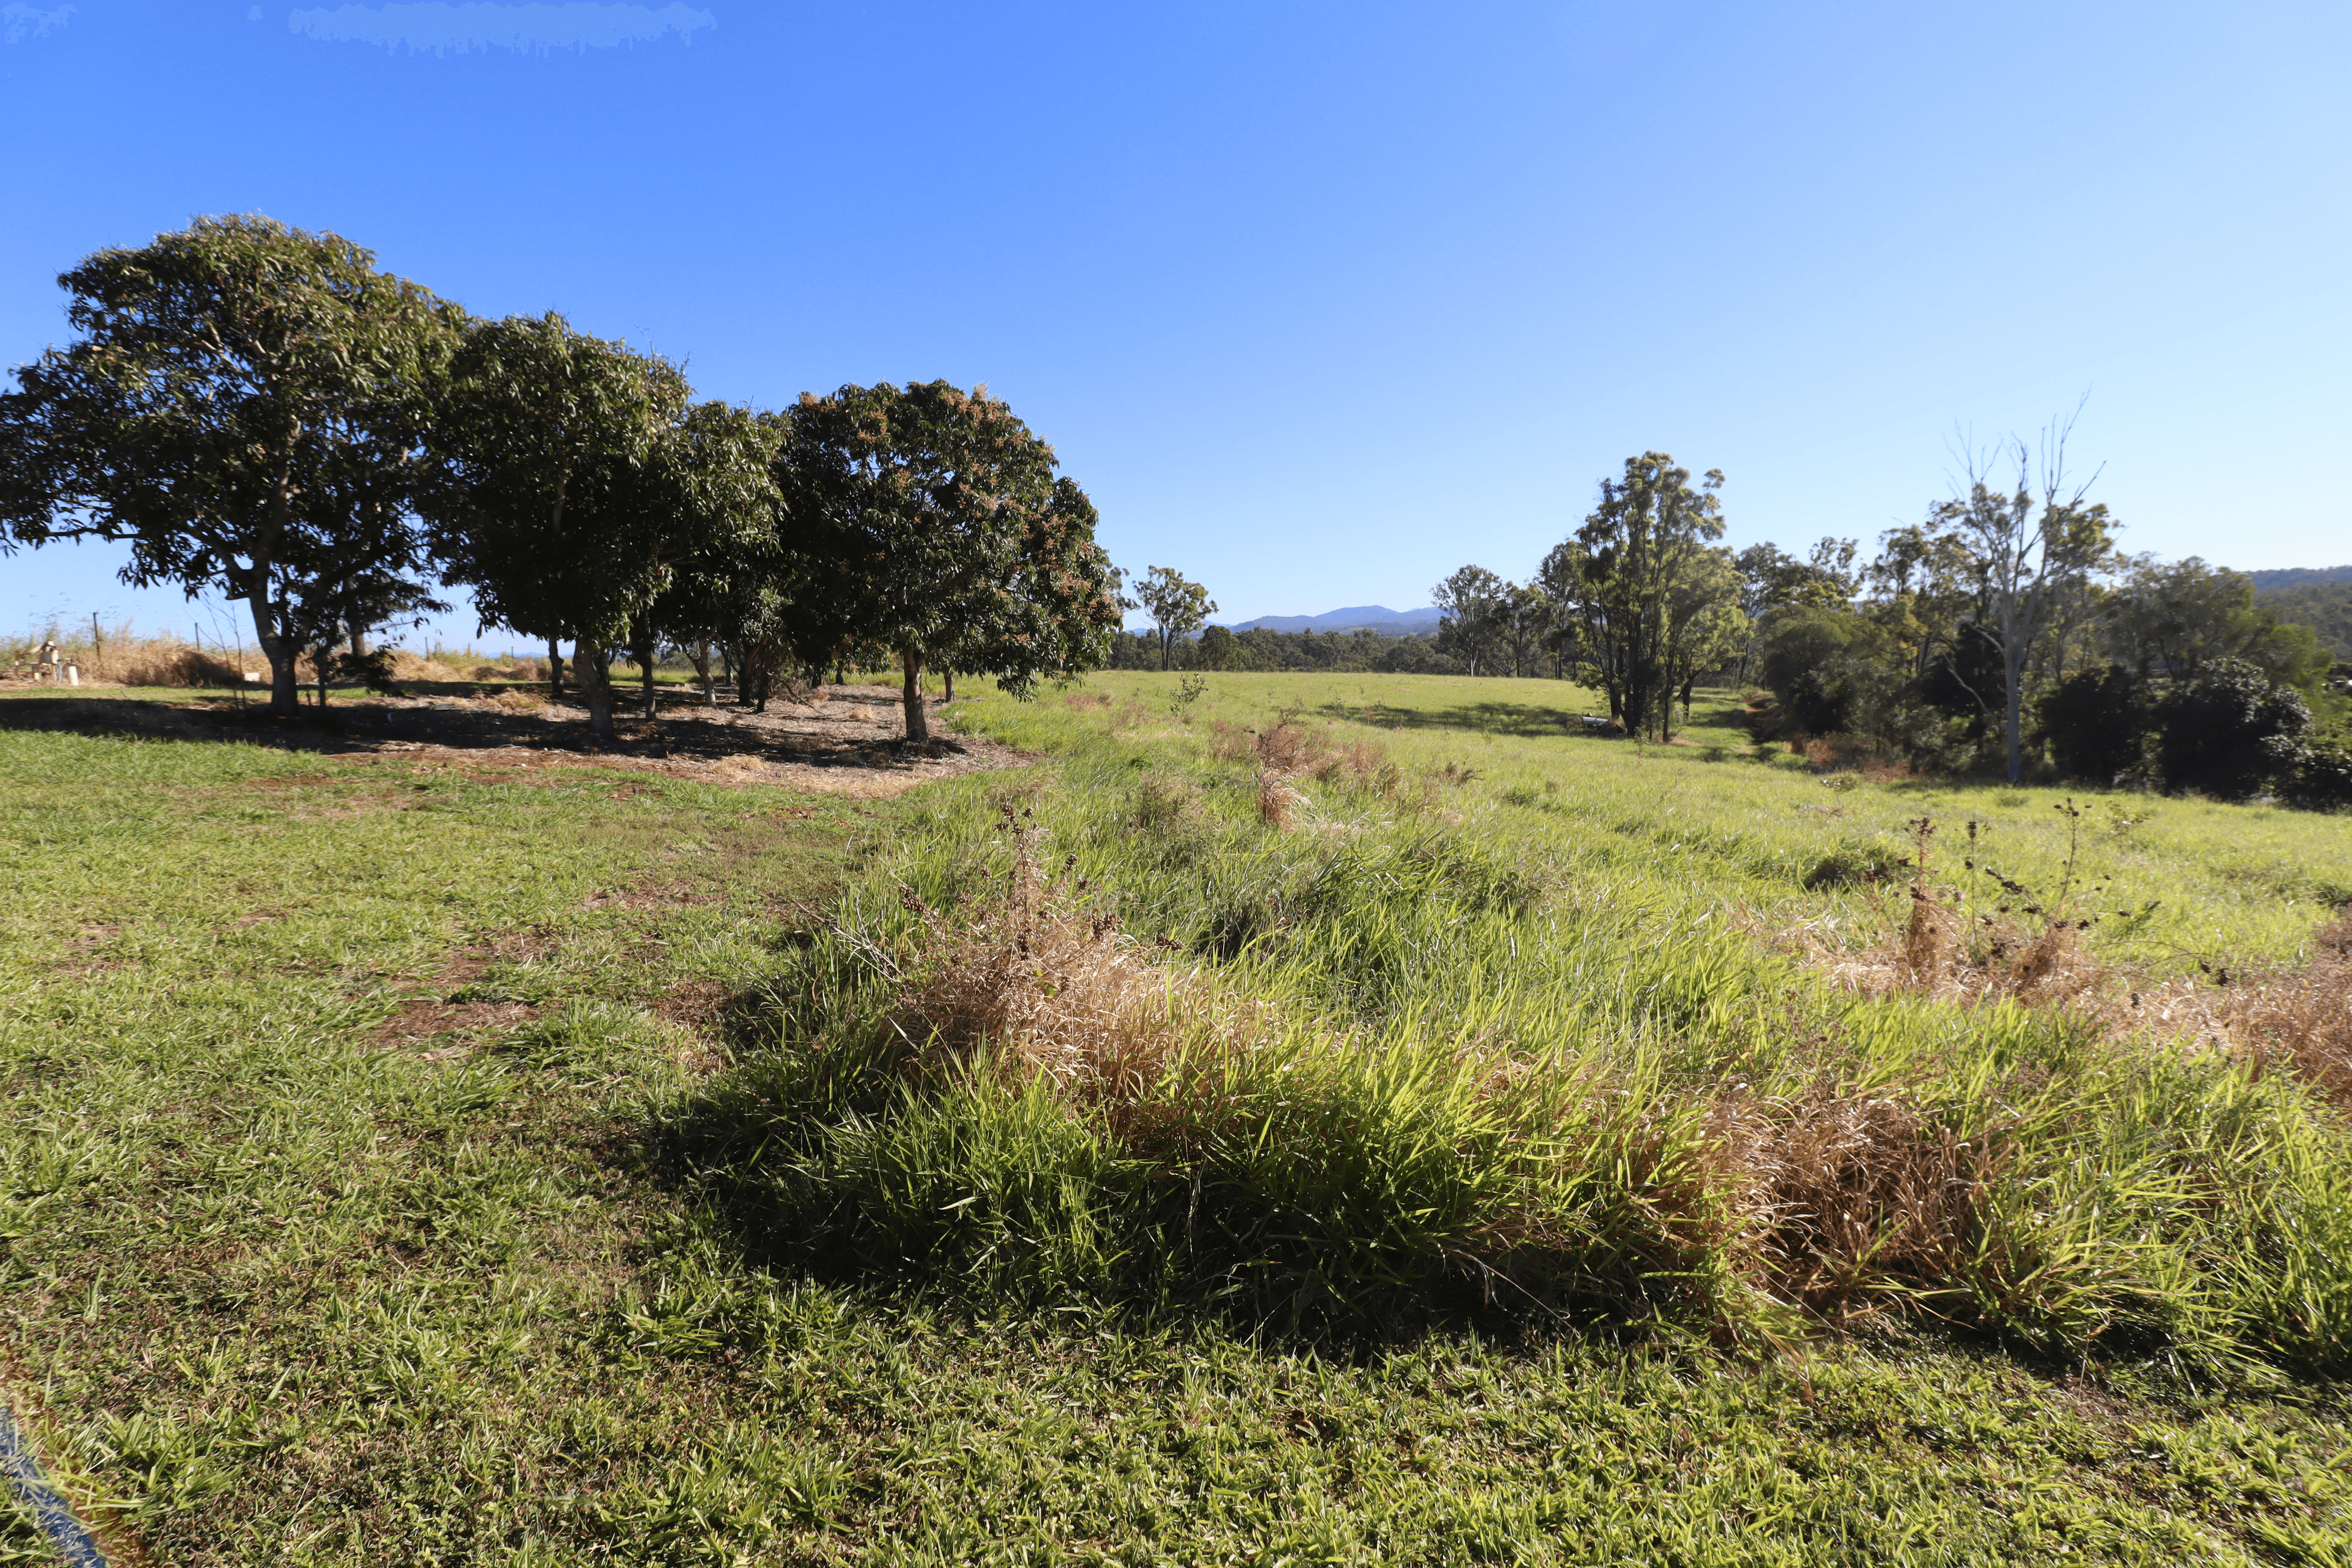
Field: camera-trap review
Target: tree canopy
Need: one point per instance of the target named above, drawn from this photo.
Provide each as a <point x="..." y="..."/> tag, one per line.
<point x="574" y="475"/>
<point x="1176" y="605"/>
<point x="1629" y="583"/>
<point x="933" y="521"/>
<point x="244" y="407"/>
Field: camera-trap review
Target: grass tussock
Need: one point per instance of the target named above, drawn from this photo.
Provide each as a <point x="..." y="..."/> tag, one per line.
<point x="2299" y="1017"/>
<point x="1036" y="984"/>
<point x="2032" y="952"/>
<point x="1363" y="1080"/>
<point x="1951" y="948"/>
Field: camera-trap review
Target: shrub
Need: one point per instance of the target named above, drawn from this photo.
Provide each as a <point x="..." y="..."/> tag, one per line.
<point x="1816" y="664"/>
<point x="2318" y="773"/>
<point x="2097" y="723"/>
<point x="2228" y="730"/>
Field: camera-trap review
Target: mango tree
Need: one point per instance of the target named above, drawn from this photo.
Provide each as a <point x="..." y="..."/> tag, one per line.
<point x="572" y="475"/>
<point x="929" y="522"/>
<point x="243" y="407"/>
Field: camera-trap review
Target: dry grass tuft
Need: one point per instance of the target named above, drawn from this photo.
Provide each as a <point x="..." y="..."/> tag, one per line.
<point x="1287" y="746"/>
<point x="1040" y="983"/>
<point x="1275" y="800"/>
<point x="2299" y="1019"/>
<point x="1168" y="803"/>
<point x="2021" y="950"/>
<point x="1856" y="1199"/>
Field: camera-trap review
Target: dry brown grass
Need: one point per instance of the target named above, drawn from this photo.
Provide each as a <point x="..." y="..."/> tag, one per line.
<point x="1853" y="1199"/>
<point x="2019" y="951"/>
<point x="2298" y="1017"/>
<point x="1039" y="983"/>
<point x="1275" y="800"/>
<point x="120" y="657"/>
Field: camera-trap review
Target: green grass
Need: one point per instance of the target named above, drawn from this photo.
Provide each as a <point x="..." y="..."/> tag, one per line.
<point x="2236" y="881"/>
<point x="290" y="1287"/>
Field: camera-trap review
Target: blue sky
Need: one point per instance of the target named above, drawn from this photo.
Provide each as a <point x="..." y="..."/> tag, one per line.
<point x="1319" y="301"/>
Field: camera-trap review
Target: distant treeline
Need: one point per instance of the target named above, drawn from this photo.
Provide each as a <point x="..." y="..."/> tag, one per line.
<point x="2323" y="605"/>
<point x="1219" y="647"/>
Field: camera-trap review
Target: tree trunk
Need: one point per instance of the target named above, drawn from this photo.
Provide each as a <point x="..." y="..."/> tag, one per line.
<point x="2009" y="661"/>
<point x="919" y="725"/>
<point x="642" y="647"/>
<point x="554" y="669"/>
<point x="703" y="668"/>
<point x="949" y="674"/>
<point x="285" y="693"/>
<point x="1164" y="648"/>
<point x="592" y="668"/>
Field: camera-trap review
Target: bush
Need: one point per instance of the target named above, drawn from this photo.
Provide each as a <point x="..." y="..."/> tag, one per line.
<point x="2318" y="776"/>
<point x="2228" y="730"/>
<point x="1815" y="664"/>
<point x="2096" y="723"/>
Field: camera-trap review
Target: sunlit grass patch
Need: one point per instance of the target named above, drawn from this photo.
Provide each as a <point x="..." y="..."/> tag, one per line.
<point x="1468" y="1057"/>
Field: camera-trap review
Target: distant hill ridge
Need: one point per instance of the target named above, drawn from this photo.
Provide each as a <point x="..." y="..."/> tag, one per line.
<point x="1353" y="618"/>
<point x="2297" y="576"/>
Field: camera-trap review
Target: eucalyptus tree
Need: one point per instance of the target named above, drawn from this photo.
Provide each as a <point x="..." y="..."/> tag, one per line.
<point x="1476" y="606"/>
<point x="1705" y="627"/>
<point x="2175" y="617"/>
<point x="929" y="522"/>
<point x="1528" y="620"/>
<point x="2036" y="541"/>
<point x="1176" y="605"/>
<point x="1616" y="578"/>
<point x="244" y="407"/>
<point x="574" y="476"/>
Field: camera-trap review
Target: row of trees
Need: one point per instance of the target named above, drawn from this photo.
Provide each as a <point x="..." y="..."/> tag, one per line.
<point x="2006" y="624"/>
<point x="262" y="411"/>
<point x="1262" y="648"/>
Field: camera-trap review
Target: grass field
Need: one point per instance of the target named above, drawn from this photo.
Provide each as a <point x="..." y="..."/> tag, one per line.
<point x="539" y="1166"/>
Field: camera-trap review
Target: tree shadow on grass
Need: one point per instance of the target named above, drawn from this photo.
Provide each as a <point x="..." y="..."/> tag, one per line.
<point x="851" y="731"/>
<point x="1525" y="719"/>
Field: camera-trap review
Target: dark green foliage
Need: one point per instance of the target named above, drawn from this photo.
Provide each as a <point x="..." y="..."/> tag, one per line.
<point x="2229" y="731"/>
<point x="2318" y="773"/>
<point x="2175" y="617"/>
<point x="2323" y="607"/>
<point x="574" y="477"/>
<point x="1817" y="665"/>
<point x="244" y="408"/>
<point x="929" y="525"/>
<point x="1262" y="648"/>
<point x="1646" y="599"/>
<point x="2097" y="723"/>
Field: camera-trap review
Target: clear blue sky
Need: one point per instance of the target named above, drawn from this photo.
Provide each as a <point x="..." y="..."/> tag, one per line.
<point x="1318" y="300"/>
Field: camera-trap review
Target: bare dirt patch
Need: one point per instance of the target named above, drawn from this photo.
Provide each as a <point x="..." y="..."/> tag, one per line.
<point x="442" y="1008"/>
<point x="842" y="740"/>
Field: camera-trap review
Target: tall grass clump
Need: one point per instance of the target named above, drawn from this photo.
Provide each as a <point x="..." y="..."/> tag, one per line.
<point x="1117" y="1034"/>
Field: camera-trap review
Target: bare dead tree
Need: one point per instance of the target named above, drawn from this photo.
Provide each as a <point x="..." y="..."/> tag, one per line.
<point x="2034" y="541"/>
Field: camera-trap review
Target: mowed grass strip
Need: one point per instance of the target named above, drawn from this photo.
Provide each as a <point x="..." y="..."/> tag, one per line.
<point x="340" y="1228"/>
<point x="321" y="1081"/>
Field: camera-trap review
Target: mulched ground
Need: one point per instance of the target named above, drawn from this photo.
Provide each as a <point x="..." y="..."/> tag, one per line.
<point x="840" y="740"/>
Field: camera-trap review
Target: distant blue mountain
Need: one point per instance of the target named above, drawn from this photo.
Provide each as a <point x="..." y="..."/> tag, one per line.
<point x="1355" y="617"/>
<point x="2297" y="576"/>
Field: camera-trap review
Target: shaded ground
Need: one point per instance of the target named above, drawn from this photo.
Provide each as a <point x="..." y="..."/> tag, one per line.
<point x="844" y="740"/>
